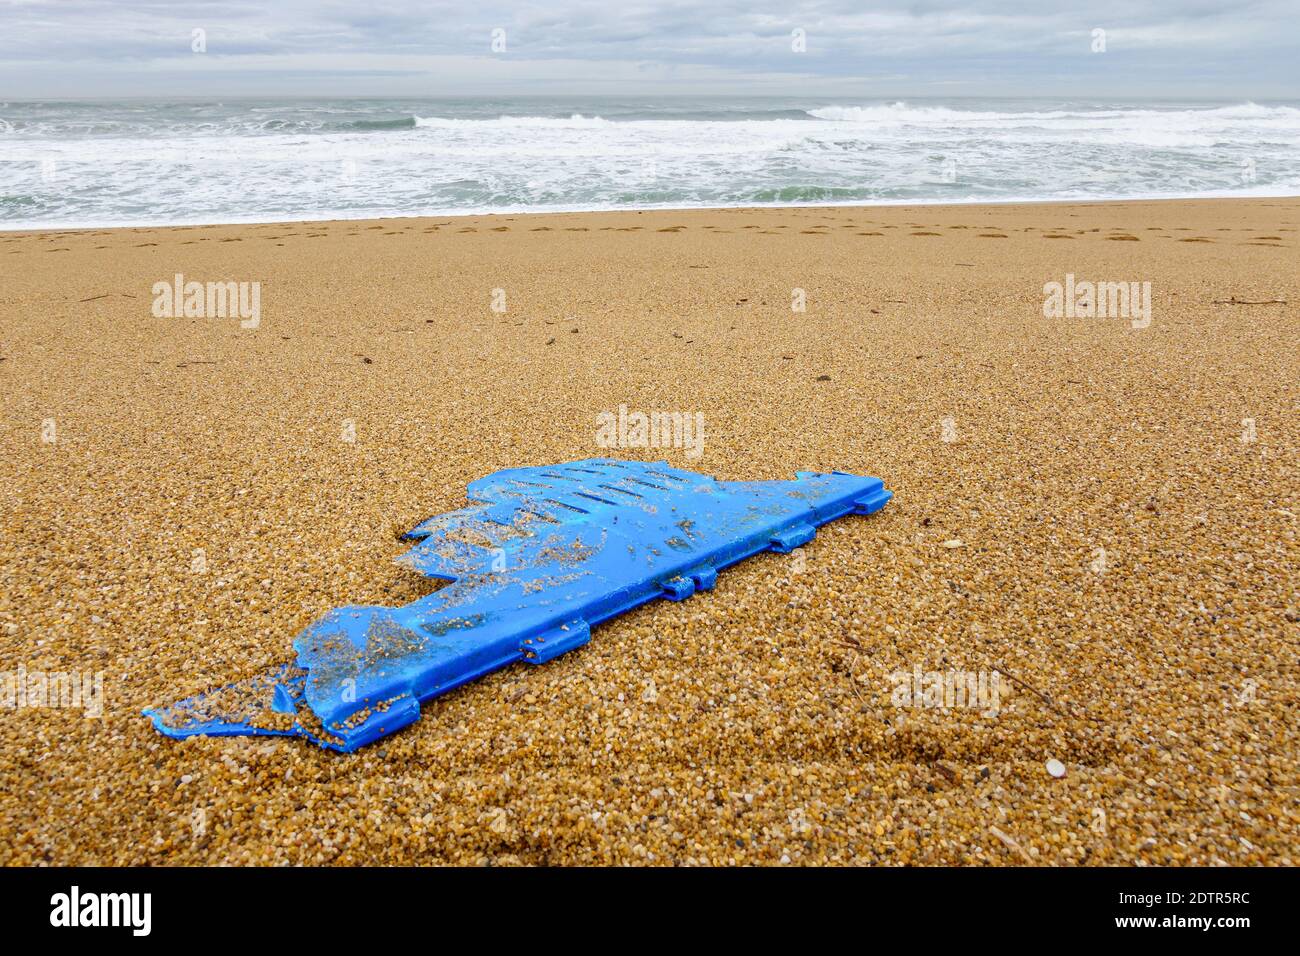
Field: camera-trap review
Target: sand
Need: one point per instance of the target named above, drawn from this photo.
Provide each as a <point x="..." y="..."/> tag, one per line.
<point x="1105" y="515"/>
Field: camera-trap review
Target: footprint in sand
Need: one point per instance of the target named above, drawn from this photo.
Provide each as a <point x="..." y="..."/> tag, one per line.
<point x="540" y="229"/>
<point x="925" y="233"/>
<point x="1196" y="239"/>
<point x="672" y="229"/>
<point x="575" y="229"/>
<point x="810" y="232"/>
<point x="991" y="235"/>
<point x="871" y="234"/>
<point x="1057" y="236"/>
<point x="467" y="229"/>
<point x="1123" y="238"/>
<point x="500" y="228"/>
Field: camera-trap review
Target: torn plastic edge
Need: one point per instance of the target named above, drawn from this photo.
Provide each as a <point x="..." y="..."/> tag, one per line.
<point x="403" y="709"/>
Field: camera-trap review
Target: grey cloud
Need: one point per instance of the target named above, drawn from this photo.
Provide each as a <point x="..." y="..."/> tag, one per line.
<point x="991" y="46"/>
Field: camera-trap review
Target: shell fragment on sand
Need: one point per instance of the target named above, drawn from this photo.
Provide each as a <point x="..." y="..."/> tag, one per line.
<point x="540" y="556"/>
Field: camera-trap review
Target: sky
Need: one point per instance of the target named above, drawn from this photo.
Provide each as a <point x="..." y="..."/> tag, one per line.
<point x="1195" y="49"/>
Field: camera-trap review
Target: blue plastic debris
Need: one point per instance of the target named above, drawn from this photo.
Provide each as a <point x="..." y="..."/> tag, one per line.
<point x="539" y="557"/>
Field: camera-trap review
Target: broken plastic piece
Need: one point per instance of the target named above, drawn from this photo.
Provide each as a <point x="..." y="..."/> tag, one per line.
<point x="539" y="557"/>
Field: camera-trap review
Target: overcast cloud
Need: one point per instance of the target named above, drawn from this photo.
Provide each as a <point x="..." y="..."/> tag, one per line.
<point x="1191" y="48"/>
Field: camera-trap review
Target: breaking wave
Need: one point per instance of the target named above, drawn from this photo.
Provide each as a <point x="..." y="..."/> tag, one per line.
<point x="129" y="163"/>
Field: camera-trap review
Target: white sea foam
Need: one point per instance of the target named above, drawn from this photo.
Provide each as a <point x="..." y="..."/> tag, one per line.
<point x="104" y="164"/>
<point x="576" y="121"/>
<point x="902" y="113"/>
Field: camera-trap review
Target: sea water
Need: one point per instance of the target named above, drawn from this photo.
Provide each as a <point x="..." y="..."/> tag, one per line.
<point x="67" y="164"/>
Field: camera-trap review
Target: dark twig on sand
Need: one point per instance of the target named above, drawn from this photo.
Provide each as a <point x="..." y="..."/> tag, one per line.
<point x="1074" y="708"/>
<point x="1029" y="687"/>
<point x="125" y="295"/>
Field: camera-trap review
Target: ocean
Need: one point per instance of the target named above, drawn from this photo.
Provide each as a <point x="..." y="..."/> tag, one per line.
<point x="81" y="164"/>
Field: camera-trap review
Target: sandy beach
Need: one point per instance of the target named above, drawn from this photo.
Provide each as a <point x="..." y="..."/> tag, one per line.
<point x="1101" y="510"/>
